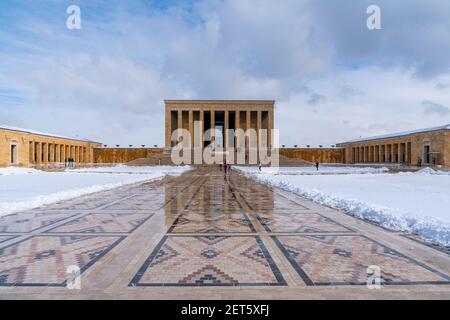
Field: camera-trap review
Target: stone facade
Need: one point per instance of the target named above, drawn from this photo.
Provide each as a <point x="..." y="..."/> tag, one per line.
<point x="322" y="155"/>
<point x="422" y="147"/>
<point x="220" y="115"/>
<point x="26" y="148"/>
<point x="124" y="155"/>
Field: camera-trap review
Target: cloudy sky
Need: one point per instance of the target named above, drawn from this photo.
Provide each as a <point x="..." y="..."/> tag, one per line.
<point x="332" y="78"/>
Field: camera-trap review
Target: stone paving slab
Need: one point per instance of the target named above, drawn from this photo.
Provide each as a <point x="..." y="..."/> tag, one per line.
<point x="203" y="236"/>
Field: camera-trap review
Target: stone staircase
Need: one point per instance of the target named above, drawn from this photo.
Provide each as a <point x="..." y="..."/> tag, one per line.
<point x="165" y="159"/>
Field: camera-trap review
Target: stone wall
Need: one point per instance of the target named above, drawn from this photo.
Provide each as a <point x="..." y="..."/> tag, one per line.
<point x="124" y="155"/>
<point x="322" y="155"/>
<point x="42" y="150"/>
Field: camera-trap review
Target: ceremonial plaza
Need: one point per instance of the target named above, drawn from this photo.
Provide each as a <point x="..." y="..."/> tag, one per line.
<point x="203" y="233"/>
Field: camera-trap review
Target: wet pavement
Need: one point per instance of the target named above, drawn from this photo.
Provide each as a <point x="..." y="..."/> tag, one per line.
<point x="225" y="237"/>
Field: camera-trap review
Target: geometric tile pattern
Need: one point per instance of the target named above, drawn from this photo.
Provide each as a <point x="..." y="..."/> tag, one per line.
<point x="212" y="222"/>
<point x="344" y="259"/>
<point x="30" y="221"/>
<point x="103" y="223"/>
<point x="209" y="261"/>
<point x="82" y="203"/>
<point x="299" y="223"/>
<point x="43" y="260"/>
<point x="419" y="239"/>
<point x="150" y="202"/>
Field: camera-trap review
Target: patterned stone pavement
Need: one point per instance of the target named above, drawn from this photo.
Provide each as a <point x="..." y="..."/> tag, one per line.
<point x="229" y="238"/>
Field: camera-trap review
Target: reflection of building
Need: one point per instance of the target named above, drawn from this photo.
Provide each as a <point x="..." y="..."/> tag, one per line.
<point x="24" y="148"/>
<point x="420" y="147"/>
<point x="221" y="115"/>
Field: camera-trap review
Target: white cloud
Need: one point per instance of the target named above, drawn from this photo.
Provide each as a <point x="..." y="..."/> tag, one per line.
<point x="108" y="81"/>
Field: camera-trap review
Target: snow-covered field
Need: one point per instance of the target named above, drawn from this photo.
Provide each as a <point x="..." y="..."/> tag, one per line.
<point x="412" y="202"/>
<point x="313" y="171"/>
<point x="22" y="189"/>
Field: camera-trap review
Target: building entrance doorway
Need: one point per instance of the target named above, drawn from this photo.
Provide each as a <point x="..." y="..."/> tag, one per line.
<point x="426" y="154"/>
<point x="13" y="154"/>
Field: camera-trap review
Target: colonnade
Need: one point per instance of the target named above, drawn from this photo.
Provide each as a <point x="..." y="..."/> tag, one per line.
<point x="45" y="152"/>
<point x="382" y="153"/>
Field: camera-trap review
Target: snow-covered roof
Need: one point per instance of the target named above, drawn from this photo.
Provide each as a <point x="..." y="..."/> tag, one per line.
<point x="43" y="133"/>
<point x="399" y="134"/>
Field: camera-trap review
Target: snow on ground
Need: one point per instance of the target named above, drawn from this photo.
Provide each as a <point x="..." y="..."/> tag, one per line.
<point x="16" y="171"/>
<point x="23" y="189"/>
<point x="130" y="169"/>
<point x="412" y="202"/>
<point x="313" y="171"/>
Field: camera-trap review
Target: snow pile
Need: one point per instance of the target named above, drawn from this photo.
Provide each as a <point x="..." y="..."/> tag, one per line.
<point x="411" y="202"/>
<point x="20" y="192"/>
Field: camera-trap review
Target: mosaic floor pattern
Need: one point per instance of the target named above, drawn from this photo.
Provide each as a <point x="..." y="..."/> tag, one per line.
<point x="30" y="221"/>
<point x="146" y="202"/>
<point x="103" y="223"/>
<point x="343" y="260"/>
<point x="43" y="260"/>
<point x="201" y="230"/>
<point x="210" y="222"/>
<point x="209" y="261"/>
<point x="299" y="223"/>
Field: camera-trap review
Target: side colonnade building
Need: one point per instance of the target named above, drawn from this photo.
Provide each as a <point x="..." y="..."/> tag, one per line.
<point x="27" y="148"/>
<point x="424" y="147"/>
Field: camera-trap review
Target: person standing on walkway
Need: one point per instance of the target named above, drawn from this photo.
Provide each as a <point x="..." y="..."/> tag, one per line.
<point x="317" y="165"/>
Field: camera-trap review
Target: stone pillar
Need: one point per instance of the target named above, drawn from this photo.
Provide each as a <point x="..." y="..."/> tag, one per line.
<point x="180" y="120"/>
<point x="258" y="131"/>
<point x="248" y="125"/>
<point x="202" y="133"/>
<point x="399" y="153"/>
<point x="168" y="127"/>
<point x="44" y="152"/>
<point x="258" y="124"/>
<point x="226" y="126"/>
<point x="213" y="119"/>
<point x="31" y="152"/>
<point x="191" y="132"/>
<point x="62" y="153"/>
<point x="271" y="126"/>
<point x="213" y="124"/>
<point x="57" y="153"/>
<point x="407" y="146"/>
<point x="38" y="152"/>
